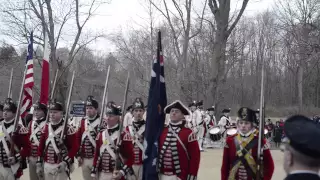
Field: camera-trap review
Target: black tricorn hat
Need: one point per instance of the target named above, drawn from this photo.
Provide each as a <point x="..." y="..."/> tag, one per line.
<point x="9" y="105"/>
<point x="226" y="110"/>
<point x="200" y="103"/>
<point x="40" y="106"/>
<point x="138" y="104"/>
<point x="113" y="109"/>
<point x="302" y="134"/>
<point x="178" y="105"/>
<point x="129" y="108"/>
<point x="211" y="108"/>
<point x="92" y="102"/>
<point x="57" y="106"/>
<point x="194" y="103"/>
<point x="247" y="114"/>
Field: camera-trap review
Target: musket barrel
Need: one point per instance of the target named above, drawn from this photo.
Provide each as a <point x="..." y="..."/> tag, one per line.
<point x="104" y="98"/>
<point x="10" y="84"/>
<point x="121" y="122"/>
<point x="17" y="118"/>
<point x="261" y="127"/>
<point x="63" y="133"/>
<point x="52" y="92"/>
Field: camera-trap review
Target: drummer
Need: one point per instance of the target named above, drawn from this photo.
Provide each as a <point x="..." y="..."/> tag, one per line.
<point x="210" y="118"/>
<point x="225" y="122"/>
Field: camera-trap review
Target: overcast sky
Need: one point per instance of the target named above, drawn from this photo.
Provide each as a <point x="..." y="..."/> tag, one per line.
<point x="122" y="14"/>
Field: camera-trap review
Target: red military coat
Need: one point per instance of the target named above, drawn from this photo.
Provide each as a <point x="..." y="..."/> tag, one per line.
<point x="21" y="141"/>
<point x="137" y="136"/>
<point x="104" y="161"/>
<point x="86" y="136"/>
<point x="35" y="129"/>
<point x="173" y="159"/>
<point x="50" y="136"/>
<point x="230" y="156"/>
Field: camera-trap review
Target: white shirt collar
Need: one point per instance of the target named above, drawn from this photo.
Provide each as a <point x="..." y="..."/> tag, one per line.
<point x="177" y="123"/>
<point x="8" y="122"/>
<point x="115" y="126"/>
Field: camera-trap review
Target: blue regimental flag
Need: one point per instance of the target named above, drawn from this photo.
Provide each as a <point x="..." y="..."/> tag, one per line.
<point x="157" y="101"/>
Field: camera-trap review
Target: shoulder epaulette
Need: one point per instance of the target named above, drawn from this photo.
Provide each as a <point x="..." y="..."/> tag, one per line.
<point x="127" y="136"/>
<point x="192" y="137"/>
<point x="71" y="130"/>
<point x="266" y="146"/>
<point x="23" y="130"/>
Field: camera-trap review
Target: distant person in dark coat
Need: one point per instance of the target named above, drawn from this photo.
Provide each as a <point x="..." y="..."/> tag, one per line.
<point x="301" y="149"/>
<point x="277" y="134"/>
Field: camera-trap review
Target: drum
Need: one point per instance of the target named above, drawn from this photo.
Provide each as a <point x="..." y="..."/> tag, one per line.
<point x="215" y="134"/>
<point x="231" y="131"/>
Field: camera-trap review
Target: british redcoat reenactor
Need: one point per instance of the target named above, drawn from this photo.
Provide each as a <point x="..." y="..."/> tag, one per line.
<point x="10" y="164"/>
<point x="56" y="154"/>
<point x="127" y="120"/>
<point x="104" y="161"/>
<point x="240" y="151"/>
<point x="196" y="122"/>
<point x="86" y="135"/>
<point x="35" y="129"/>
<point x="211" y="119"/>
<point x="136" y="131"/>
<point x="225" y="121"/>
<point x="179" y="153"/>
<point x="301" y="149"/>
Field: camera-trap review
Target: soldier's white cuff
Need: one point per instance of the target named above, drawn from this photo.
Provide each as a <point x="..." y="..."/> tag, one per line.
<point x="191" y="177"/>
<point x="122" y="172"/>
<point x="18" y="157"/>
<point x="93" y="175"/>
<point x="67" y="159"/>
<point x="127" y="170"/>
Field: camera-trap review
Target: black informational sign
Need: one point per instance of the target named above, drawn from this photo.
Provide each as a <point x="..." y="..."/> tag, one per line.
<point x="78" y="109"/>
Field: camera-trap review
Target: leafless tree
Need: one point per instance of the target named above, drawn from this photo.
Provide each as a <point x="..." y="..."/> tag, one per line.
<point x="54" y="20"/>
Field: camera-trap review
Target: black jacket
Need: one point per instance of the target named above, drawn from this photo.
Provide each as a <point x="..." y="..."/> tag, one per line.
<point x="302" y="176"/>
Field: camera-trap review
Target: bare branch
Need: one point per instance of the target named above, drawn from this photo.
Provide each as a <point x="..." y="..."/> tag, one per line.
<point x="243" y="7"/>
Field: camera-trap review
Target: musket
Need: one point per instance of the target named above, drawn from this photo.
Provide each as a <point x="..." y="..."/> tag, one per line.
<point x="65" y="123"/>
<point x="118" y="160"/>
<point x="105" y="93"/>
<point x="10" y="84"/>
<point x="15" y="167"/>
<point x="52" y="92"/>
<point x="259" y="175"/>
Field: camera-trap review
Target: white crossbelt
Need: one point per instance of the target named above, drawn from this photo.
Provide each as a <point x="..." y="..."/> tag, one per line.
<point x="4" y="133"/>
<point x="108" y="143"/>
<point x="34" y="131"/>
<point x="135" y="134"/>
<point x="52" y="135"/>
<point x="88" y="127"/>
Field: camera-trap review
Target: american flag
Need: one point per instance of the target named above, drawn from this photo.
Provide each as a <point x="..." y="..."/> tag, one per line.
<point x="29" y="81"/>
<point x="157" y="101"/>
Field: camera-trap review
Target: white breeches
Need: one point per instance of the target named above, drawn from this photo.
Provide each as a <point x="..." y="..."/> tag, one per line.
<point x="137" y="169"/>
<point x="86" y="168"/>
<point x="51" y="173"/>
<point x="166" y="177"/>
<point x="6" y="173"/>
